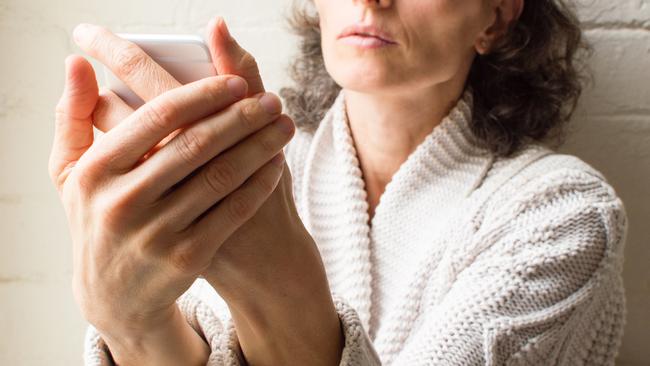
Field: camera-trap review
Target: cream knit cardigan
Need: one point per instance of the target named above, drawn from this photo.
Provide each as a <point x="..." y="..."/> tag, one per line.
<point x="469" y="259"/>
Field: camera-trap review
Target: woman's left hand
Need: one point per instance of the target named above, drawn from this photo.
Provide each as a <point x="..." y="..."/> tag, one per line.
<point x="271" y="275"/>
<point x="269" y="272"/>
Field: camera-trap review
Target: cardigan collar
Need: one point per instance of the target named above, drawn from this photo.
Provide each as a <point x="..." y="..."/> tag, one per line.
<point x="334" y="202"/>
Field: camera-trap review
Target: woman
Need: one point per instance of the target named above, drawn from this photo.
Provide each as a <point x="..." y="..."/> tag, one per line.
<point x="424" y="222"/>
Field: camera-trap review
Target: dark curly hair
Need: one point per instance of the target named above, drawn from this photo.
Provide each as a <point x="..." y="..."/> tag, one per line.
<point x="526" y="88"/>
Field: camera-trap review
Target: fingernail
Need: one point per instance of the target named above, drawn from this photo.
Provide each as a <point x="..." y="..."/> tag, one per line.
<point x="237" y="87"/>
<point x="271" y="103"/>
<point x="285" y="125"/>
<point x="81" y="32"/>
<point x="278" y="159"/>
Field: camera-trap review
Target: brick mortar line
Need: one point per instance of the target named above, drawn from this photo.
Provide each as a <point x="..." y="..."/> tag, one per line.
<point x="634" y="25"/>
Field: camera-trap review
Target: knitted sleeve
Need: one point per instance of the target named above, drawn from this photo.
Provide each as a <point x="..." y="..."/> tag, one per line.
<point x="220" y="334"/>
<point x="542" y="285"/>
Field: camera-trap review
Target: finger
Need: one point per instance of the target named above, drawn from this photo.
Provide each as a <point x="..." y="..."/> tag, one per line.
<point x="209" y="232"/>
<point x="127" y="143"/>
<point x="230" y="58"/>
<point x="126" y="60"/>
<point x="73" y="133"/>
<point x="110" y="110"/>
<point x="225" y="173"/>
<point x="201" y="142"/>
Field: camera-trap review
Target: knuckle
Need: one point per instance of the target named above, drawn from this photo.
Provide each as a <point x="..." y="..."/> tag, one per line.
<point x="189" y="146"/>
<point x="115" y="207"/>
<point x="269" y="144"/>
<point x="129" y="59"/>
<point x="87" y="177"/>
<point x="247" y="63"/>
<point x="107" y="93"/>
<point x="156" y="116"/>
<point x="215" y="88"/>
<point x="240" y="208"/>
<point x="85" y="181"/>
<point x="154" y="236"/>
<point x="266" y="183"/>
<point x="140" y="187"/>
<point x="248" y="114"/>
<point x="186" y="259"/>
<point x="220" y="177"/>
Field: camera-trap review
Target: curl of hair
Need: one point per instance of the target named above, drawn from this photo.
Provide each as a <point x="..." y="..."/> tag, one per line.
<point x="526" y="88"/>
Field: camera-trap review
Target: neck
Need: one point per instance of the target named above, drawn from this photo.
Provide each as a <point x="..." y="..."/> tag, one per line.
<point x="386" y="129"/>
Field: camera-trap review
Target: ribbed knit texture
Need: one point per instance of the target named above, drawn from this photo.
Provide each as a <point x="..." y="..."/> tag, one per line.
<point x="468" y="260"/>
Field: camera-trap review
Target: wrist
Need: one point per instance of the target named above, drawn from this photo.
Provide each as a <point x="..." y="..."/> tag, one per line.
<point x="306" y="331"/>
<point x="170" y="341"/>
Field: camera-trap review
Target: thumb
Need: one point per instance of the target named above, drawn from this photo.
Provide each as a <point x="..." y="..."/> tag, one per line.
<point x="230" y="58"/>
<point x="73" y="133"/>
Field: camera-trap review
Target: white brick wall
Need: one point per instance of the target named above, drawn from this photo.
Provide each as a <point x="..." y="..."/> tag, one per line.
<point x="39" y="323"/>
<point x="612" y="132"/>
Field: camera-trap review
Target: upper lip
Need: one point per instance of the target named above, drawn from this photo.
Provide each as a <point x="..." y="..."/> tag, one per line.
<point x="366" y="30"/>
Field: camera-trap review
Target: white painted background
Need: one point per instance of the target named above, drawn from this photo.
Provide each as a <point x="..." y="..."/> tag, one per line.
<point x="39" y="323"/>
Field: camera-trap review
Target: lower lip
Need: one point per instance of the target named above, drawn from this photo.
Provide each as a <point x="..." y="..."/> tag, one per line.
<point x="366" y="42"/>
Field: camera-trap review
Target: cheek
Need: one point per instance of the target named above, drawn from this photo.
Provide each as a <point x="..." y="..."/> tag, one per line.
<point x="451" y="19"/>
<point x="440" y="32"/>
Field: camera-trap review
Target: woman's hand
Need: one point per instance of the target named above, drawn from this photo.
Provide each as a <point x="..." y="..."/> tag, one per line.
<point x="269" y="271"/>
<point x="271" y="275"/>
<point x="146" y="218"/>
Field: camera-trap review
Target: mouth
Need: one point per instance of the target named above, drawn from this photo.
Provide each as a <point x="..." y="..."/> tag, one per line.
<point x="366" y="36"/>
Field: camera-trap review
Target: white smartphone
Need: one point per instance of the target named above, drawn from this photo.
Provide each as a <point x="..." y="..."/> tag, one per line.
<point x="186" y="57"/>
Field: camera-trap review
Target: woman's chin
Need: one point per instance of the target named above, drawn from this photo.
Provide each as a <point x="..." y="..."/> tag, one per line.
<point x="363" y="79"/>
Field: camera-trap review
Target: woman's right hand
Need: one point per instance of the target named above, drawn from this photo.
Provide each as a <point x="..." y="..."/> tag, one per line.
<point x="145" y="222"/>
